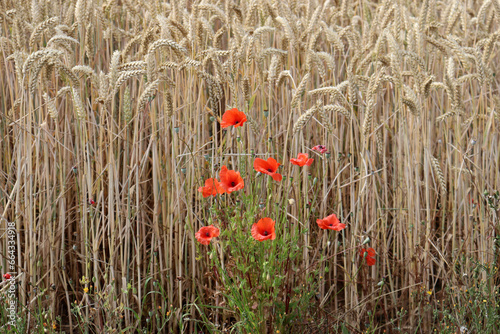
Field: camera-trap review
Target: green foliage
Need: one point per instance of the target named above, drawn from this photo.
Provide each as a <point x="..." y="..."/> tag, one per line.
<point x="473" y="305"/>
<point x="261" y="280"/>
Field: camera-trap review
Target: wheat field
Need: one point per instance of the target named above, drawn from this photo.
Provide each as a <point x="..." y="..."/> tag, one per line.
<point x="110" y="122"/>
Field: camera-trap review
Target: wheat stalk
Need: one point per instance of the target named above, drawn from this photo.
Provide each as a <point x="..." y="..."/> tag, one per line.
<point x="304" y="118"/>
<point x="337" y="109"/>
<point x="439" y="174"/>
<point x="51" y="106"/>
<point x="148" y="93"/>
<point x="41" y="27"/>
<point x="127" y="106"/>
<point x="299" y="91"/>
<point x="77" y="103"/>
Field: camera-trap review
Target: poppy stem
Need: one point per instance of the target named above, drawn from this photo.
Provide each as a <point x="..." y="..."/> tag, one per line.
<point x="288" y="287"/>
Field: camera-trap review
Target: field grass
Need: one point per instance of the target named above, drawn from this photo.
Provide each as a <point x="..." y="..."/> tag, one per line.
<point x="110" y="123"/>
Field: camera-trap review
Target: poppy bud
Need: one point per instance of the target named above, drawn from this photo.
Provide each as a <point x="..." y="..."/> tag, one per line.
<point x="212" y="118"/>
<point x="291" y="201"/>
<point x="266" y="113"/>
<point x="367" y="240"/>
<point x="183" y="170"/>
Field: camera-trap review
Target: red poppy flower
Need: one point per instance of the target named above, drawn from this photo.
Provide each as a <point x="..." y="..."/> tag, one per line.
<point x="263" y="230"/>
<point x="370" y="255"/>
<point x="212" y="187"/>
<point x="320" y="148"/>
<point x="330" y="223"/>
<point x="233" y="117"/>
<point x="7" y="276"/>
<point x="302" y="160"/>
<point x="230" y="180"/>
<point x="268" y="167"/>
<point x="206" y="233"/>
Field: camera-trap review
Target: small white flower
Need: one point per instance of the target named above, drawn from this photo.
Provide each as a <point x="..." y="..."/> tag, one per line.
<point x="463" y="329"/>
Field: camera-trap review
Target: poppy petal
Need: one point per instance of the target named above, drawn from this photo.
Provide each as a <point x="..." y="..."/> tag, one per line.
<point x="264" y="229"/>
<point x="212" y="187"/>
<point x="230" y="180"/>
<point x="233" y="117"/>
<point x="227" y="121"/>
<point x="331" y="222"/>
<point x="266" y="223"/>
<point x="206" y="233"/>
<point x="214" y="231"/>
<point x="277" y="177"/>
<point x="274" y="164"/>
<point x="370" y="261"/>
<point x="322" y="224"/>
<point x="371" y="252"/>
<point x="268" y="167"/>
<point x="260" y="165"/>
<point x="332" y="219"/>
<point x="338" y="227"/>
